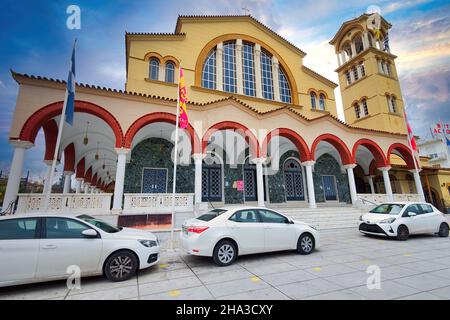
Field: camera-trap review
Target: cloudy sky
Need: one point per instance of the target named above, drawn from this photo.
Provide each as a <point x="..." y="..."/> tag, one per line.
<point x="35" y="40"/>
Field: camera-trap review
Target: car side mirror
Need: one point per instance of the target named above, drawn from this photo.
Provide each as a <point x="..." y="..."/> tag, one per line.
<point x="289" y="221"/>
<point x="411" y="214"/>
<point x="89" y="233"/>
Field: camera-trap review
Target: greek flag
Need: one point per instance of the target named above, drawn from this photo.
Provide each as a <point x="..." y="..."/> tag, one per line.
<point x="70" y="90"/>
<point x="448" y="141"/>
<point x="386" y="42"/>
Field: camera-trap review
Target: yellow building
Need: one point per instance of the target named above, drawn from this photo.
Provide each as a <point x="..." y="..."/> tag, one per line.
<point x="263" y="128"/>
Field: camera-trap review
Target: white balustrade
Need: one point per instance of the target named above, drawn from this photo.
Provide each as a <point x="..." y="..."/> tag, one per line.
<point x="93" y="204"/>
<point x="138" y="203"/>
<point x="367" y="199"/>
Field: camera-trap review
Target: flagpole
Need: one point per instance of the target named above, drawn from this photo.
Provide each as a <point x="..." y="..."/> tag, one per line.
<point x="175" y="160"/>
<point x="58" y="141"/>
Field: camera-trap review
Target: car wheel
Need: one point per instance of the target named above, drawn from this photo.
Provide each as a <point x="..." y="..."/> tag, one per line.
<point x="402" y="233"/>
<point x="121" y="266"/>
<point x="225" y="253"/>
<point x="305" y="244"/>
<point x="443" y="230"/>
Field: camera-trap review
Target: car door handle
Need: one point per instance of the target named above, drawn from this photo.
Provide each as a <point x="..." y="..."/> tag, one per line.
<point x="49" y="246"/>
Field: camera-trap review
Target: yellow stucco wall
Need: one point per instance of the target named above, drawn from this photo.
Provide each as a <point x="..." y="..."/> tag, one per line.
<point x="200" y="32"/>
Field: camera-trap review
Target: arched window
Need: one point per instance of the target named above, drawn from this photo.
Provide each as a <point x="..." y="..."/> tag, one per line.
<point x="355" y="73"/>
<point x="348" y="51"/>
<point x="365" y="108"/>
<point x="248" y="69"/>
<point x="321" y="101"/>
<point x="170" y="72"/>
<point x="313" y="100"/>
<point x="370" y="39"/>
<point x="248" y="85"/>
<point x="209" y="71"/>
<point x="392" y="103"/>
<point x="388" y="68"/>
<point x="357" y="110"/>
<point x="285" y="91"/>
<point x="154" y="69"/>
<point x="348" y="77"/>
<point x="266" y="75"/>
<point x="229" y="66"/>
<point x="362" y="69"/>
<point x="359" y="46"/>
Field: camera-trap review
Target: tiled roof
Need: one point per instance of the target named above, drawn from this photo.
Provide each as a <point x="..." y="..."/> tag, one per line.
<point x="17" y="76"/>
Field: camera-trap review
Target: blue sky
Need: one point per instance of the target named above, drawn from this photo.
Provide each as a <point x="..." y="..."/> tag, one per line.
<point x="35" y="40"/>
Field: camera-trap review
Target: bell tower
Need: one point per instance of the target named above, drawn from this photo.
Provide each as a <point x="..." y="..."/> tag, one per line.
<point x="369" y="85"/>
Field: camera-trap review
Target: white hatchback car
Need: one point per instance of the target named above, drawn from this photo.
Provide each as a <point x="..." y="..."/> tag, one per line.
<point x="225" y="233"/>
<point x="41" y="247"/>
<point x="400" y="219"/>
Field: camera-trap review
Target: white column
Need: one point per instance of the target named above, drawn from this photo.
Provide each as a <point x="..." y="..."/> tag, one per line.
<point x="47" y="182"/>
<point x="239" y="84"/>
<point x="258" y="71"/>
<point x="387" y="182"/>
<point x="343" y="58"/>
<point x="86" y="187"/>
<point x="276" y="80"/>
<point x="418" y="182"/>
<point x="365" y="39"/>
<point x="162" y="72"/>
<point x="219" y="66"/>
<point x="67" y="181"/>
<point x="372" y="187"/>
<point x="15" y="173"/>
<point x="310" y="182"/>
<point x="352" y="45"/>
<point x="351" y="182"/>
<point x="120" y="179"/>
<point x="78" y="185"/>
<point x="260" y="180"/>
<point x="338" y="56"/>
<point x="198" y="161"/>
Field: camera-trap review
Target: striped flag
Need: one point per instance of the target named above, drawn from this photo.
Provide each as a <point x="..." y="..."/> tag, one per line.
<point x="386" y="42"/>
<point x="70" y="90"/>
<point x="182" y="98"/>
<point x="412" y="141"/>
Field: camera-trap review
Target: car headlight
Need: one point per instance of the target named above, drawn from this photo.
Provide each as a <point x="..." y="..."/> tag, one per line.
<point x="390" y="220"/>
<point x="149" y="243"/>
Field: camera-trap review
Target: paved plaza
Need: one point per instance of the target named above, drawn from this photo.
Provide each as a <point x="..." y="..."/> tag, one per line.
<point x="416" y="269"/>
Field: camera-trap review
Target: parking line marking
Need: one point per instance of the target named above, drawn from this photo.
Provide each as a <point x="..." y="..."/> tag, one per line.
<point x="163" y="265"/>
<point x="407" y="255"/>
<point x="255" y="279"/>
<point x="174" y="293"/>
<point x="366" y="261"/>
<point x="317" y="269"/>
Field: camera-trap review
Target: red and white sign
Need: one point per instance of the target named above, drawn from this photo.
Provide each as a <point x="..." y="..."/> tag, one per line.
<point x="442" y="128"/>
<point x="240" y="185"/>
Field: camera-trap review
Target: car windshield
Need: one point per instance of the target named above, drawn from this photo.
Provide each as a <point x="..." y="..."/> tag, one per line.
<point x="99" y="224"/>
<point x="211" y="214"/>
<point x="388" y="208"/>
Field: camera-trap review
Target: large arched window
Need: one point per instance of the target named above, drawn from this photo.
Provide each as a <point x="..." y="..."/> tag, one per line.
<point x="321" y="101"/>
<point x="313" y="100"/>
<point x="359" y="46"/>
<point x="170" y="72"/>
<point x="266" y="75"/>
<point x="229" y="66"/>
<point x="154" y="69"/>
<point x="285" y="91"/>
<point x="248" y="83"/>
<point x="209" y="71"/>
<point x="248" y="69"/>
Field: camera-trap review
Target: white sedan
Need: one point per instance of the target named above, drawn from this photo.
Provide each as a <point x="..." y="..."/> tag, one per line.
<point x="401" y="219"/>
<point x="225" y="233"/>
<point x="43" y="247"/>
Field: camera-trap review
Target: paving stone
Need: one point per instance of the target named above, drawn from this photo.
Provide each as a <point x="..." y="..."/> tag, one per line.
<point x="389" y="290"/>
<point x="216" y="277"/>
<point x="262" y="294"/>
<point x="117" y="293"/>
<point x="270" y="268"/>
<point x="442" y="292"/>
<point x="168" y="285"/>
<point x="276" y="279"/>
<point x="235" y="286"/>
<point x="194" y="293"/>
<point x="338" y="295"/>
<point x="300" y="290"/>
<point x="424" y="282"/>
